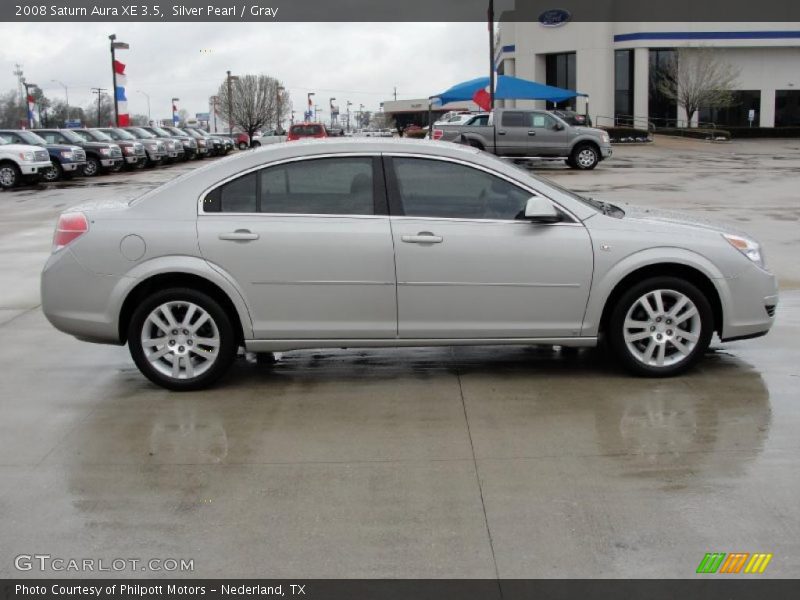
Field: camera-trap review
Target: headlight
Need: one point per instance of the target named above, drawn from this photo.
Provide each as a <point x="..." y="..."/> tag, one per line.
<point x="606" y="138"/>
<point x="750" y="248"/>
<point x="66" y="154"/>
<point x="105" y="151"/>
<point x="26" y="156"/>
<point x="129" y="149"/>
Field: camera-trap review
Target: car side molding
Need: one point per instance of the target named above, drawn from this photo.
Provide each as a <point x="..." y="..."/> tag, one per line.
<point x="310" y="344"/>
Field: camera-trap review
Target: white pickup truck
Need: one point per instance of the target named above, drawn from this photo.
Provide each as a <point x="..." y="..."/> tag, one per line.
<point x="20" y="162"/>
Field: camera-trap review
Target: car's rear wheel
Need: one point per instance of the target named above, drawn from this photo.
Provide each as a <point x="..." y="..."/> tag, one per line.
<point x="182" y="339"/>
<point x="584" y="157"/>
<point x="243" y="146"/>
<point x="661" y="326"/>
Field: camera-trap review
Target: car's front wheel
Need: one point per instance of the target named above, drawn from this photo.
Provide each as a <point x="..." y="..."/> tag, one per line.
<point x="243" y="146"/>
<point x="92" y="166"/>
<point x="9" y="175"/>
<point x="182" y="339"/>
<point x="661" y="326"/>
<point x="54" y="173"/>
<point x="584" y="157"/>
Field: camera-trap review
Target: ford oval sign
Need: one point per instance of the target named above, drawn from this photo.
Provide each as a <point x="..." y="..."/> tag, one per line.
<point x="555" y="17"/>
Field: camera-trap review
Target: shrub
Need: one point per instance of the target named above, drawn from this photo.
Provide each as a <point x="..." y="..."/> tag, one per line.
<point x="696" y="133"/>
<point x="764" y="132"/>
<point x="628" y="135"/>
<point x="416" y="134"/>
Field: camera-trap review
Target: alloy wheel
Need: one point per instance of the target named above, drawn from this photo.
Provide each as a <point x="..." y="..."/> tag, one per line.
<point x="180" y="340"/>
<point x="586" y="158"/>
<point x="662" y="328"/>
<point x="8" y="177"/>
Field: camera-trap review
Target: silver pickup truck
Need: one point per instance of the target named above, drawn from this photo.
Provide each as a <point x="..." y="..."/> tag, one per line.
<point x="522" y="133"/>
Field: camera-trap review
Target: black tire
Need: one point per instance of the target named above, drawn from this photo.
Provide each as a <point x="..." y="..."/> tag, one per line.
<point x="255" y="145"/>
<point x="584" y="157"/>
<point x="219" y="318"/>
<point x="668" y="287"/>
<point x="140" y="164"/>
<point x="243" y="146"/>
<point x="92" y="167"/>
<point x="54" y="173"/>
<point x="10" y="175"/>
<point x="116" y="168"/>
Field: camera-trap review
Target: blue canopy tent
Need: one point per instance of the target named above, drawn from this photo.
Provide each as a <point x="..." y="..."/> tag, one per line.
<point x="508" y="88"/>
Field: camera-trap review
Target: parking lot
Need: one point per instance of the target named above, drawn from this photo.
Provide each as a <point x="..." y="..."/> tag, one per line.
<point x="437" y="462"/>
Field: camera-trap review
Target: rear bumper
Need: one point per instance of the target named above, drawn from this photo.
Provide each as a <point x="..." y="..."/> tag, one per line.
<point x="76" y="301"/>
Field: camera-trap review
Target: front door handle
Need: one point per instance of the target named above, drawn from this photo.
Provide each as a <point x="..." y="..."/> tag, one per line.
<point x="423" y="237"/>
<point x="501" y="132"/>
<point x="531" y="133"/>
<point x="240" y="235"/>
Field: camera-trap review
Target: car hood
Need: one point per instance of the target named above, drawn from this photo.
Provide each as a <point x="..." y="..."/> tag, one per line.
<point x="642" y="216"/>
<point x="589" y="130"/>
<point x="98" y="145"/>
<point x="62" y="147"/>
<point x="19" y="148"/>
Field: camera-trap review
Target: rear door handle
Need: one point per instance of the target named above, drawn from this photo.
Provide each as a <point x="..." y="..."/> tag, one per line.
<point x="423" y="237"/>
<point x="531" y="133"/>
<point x="501" y="132"/>
<point x="240" y="235"/>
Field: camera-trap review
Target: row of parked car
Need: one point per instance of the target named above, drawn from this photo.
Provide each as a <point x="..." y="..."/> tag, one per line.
<point x="31" y="155"/>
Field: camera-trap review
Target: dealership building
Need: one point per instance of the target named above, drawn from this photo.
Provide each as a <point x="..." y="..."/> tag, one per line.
<point x="618" y="65"/>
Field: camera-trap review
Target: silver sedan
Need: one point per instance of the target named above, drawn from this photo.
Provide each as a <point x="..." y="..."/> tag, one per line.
<point x="371" y="242"/>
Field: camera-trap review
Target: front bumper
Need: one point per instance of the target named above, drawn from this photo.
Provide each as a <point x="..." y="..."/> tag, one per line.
<point x="606" y="151"/>
<point x="751" y="304"/>
<point x="132" y="160"/>
<point x="34" y="168"/>
<point x="72" y="166"/>
<point x="110" y="162"/>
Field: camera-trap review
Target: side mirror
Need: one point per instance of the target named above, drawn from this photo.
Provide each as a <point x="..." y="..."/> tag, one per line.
<point x="558" y="127"/>
<point x="541" y="210"/>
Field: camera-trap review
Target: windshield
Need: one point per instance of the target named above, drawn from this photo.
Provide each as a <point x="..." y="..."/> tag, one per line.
<point x="141" y="133"/>
<point x="120" y="134"/>
<point x="3" y="141"/>
<point x="73" y="137"/>
<point x="32" y="138"/>
<point x="161" y="132"/>
<point x="84" y="135"/>
<point x="100" y="135"/>
<point x="604" y="207"/>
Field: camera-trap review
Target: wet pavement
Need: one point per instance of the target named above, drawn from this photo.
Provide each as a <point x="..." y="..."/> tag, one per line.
<point x="439" y="462"/>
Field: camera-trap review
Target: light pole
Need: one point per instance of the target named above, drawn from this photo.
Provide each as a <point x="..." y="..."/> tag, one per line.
<point x="66" y="93"/>
<point x="175" y="119"/>
<point x="146" y="95"/>
<point x="310" y="106"/>
<point x="361" y="115"/>
<point x="29" y="101"/>
<point x="116" y="46"/>
<point x="331" y="103"/>
<point x="278" y="93"/>
<point x="214" y="100"/>
<point x="230" y="80"/>
<point x="99" y="92"/>
<point x="349" y="104"/>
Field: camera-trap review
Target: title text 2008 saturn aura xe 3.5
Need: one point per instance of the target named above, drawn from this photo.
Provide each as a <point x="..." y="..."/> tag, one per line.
<point x="370" y="242"/>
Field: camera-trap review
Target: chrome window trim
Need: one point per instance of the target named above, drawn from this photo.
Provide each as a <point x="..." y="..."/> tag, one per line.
<point x="276" y="163"/>
<point x="576" y="222"/>
<point x="490" y="171"/>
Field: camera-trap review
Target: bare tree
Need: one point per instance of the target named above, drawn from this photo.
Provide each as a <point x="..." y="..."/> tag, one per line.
<point x="698" y="78"/>
<point x="253" y="103"/>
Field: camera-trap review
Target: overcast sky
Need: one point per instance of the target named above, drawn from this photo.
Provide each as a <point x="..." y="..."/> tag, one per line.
<point x="360" y="62"/>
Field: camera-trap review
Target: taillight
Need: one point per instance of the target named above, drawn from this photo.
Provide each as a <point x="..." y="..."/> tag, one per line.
<point x="437" y="134"/>
<point x="70" y="227"/>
